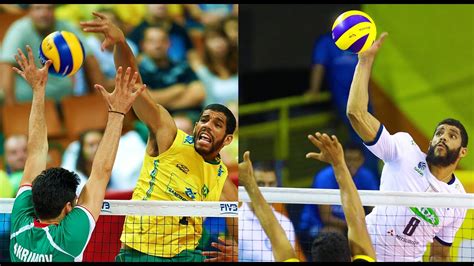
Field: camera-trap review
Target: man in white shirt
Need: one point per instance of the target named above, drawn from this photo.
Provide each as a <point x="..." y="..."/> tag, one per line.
<point x="402" y="233"/>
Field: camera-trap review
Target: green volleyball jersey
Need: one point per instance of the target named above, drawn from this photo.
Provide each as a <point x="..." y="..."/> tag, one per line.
<point x="33" y="241"/>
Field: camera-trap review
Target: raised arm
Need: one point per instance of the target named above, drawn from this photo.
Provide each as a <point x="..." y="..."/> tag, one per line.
<point x="156" y="117"/>
<point x="281" y="246"/>
<point x="332" y="153"/>
<point x="364" y="123"/>
<point x="119" y="103"/>
<point x="37" y="132"/>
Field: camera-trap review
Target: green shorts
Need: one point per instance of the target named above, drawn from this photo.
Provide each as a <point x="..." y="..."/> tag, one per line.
<point x="132" y="255"/>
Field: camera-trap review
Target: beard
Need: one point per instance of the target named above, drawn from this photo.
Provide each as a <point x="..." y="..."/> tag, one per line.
<point x="215" y="146"/>
<point x="443" y="161"/>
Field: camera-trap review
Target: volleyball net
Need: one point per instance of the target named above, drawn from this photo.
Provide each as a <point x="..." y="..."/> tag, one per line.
<point x="303" y="213"/>
<point x="161" y="229"/>
<point x="406" y="221"/>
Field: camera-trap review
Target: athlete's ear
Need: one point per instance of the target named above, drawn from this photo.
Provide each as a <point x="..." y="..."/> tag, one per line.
<point x="228" y="139"/>
<point x="463" y="152"/>
<point x="194" y="128"/>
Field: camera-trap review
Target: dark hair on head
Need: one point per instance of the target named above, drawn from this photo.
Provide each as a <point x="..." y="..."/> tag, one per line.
<point x="459" y="125"/>
<point x="330" y="246"/>
<point x="265" y="166"/>
<point x="353" y="146"/>
<point x="231" y="123"/>
<point x="231" y="61"/>
<point x="52" y="190"/>
<point x="81" y="160"/>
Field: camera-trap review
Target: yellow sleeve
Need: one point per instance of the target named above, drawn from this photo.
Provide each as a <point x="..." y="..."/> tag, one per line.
<point x="363" y="258"/>
<point x="292" y="260"/>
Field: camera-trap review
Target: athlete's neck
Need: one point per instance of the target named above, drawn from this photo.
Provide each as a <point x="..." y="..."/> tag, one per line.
<point x="50" y="221"/>
<point x="443" y="174"/>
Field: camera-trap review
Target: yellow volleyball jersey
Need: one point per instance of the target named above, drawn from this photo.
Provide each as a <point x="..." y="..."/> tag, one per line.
<point x="178" y="174"/>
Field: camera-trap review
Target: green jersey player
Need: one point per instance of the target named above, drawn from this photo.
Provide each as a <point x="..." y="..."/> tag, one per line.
<point x="49" y="222"/>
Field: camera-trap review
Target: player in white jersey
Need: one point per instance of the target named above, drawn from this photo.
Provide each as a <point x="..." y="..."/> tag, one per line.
<point x="402" y="233"/>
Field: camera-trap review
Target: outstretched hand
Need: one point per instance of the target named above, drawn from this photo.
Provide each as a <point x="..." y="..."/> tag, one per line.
<point x="125" y="92"/>
<point x="331" y="149"/>
<point x="113" y="34"/>
<point x="373" y="50"/>
<point x="246" y="170"/>
<point x="37" y="78"/>
<point x="228" y="251"/>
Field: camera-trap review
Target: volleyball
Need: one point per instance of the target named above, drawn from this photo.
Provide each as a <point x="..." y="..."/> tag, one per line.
<point x="354" y="31"/>
<point x="65" y="50"/>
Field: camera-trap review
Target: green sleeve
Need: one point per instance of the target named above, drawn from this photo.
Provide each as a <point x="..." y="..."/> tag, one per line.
<point x="23" y="210"/>
<point x="75" y="231"/>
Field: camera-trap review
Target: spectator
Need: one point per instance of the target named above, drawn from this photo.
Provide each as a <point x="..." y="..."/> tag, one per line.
<point x="131" y="15"/>
<point x="337" y="67"/>
<point x="172" y="84"/>
<point x="204" y="15"/>
<point x="31" y="30"/>
<point x="15" y="156"/>
<point x="218" y="67"/>
<point x="158" y="16"/>
<point x="106" y="57"/>
<point x="231" y="29"/>
<point x="254" y="244"/>
<point x="315" y="219"/>
<point x="79" y="155"/>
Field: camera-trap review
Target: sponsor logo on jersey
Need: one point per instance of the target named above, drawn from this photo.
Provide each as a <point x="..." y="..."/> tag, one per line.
<point x="189" y="192"/>
<point x="427" y="214"/>
<point x="220" y="170"/>
<point x="176" y="194"/>
<point x="183" y="168"/>
<point x="188" y="140"/>
<point x="402" y="238"/>
<point x="420" y="168"/>
<point x="204" y="191"/>
<point x="229" y="208"/>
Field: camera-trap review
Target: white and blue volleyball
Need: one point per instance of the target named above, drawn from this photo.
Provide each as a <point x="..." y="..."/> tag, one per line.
<point x="65" y="50"/>
<point x="354" y="31"/>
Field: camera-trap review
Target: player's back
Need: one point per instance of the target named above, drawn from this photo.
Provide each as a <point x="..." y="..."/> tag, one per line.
<point x="33" y="241"/>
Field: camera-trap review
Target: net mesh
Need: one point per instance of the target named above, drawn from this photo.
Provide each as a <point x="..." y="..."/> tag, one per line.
<point x="158" y="231"/>
<point x="402" y="229"/>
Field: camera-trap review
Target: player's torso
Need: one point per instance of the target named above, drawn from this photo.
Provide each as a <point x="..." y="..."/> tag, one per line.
<point x="179" y="174"/>
<point x="403" y="232"/>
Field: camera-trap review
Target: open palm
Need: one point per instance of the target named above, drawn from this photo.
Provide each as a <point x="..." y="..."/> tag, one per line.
<point x="36" y="77"/>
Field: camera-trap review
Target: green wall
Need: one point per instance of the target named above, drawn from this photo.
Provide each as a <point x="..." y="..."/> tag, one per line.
<point x="426" y="64"/>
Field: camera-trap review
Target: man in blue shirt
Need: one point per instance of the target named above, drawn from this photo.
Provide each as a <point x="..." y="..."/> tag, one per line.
<point x="317" y="218"/>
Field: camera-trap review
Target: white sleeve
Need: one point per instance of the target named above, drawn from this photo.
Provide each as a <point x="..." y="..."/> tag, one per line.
<point x="446" y="235"/>
<point x="389" y="147"/>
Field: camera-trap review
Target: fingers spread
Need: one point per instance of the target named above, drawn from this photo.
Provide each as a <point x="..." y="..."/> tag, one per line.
<point x="31" y="60"/>
<point x="118" y="76"/>
<point x="133" y="81"/>
<point x="315" y="141"/>
<point x="101" y="89"/>
<point x="127" y="75"/>
<point x="313" y="155"/>
<point x="47" y="64"/>
<point x="99" y="15"/>
<point x="19" y="72"/>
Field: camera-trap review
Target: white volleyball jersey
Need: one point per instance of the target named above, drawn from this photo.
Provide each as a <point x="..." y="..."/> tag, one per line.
<point x="402" y="233"/>
<point x="254" y="244"/>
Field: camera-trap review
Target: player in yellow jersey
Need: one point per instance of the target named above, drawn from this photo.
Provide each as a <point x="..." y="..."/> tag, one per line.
<point x="358" y="246"/>
<point x="176" y="167"/>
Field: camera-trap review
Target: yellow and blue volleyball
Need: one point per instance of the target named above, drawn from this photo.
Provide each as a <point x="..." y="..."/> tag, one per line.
<point x="65" y="50"/>
<point x="354" y="31"/>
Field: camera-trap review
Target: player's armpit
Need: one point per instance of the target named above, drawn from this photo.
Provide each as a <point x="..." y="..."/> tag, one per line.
<point x="439" y="251"/>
